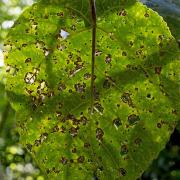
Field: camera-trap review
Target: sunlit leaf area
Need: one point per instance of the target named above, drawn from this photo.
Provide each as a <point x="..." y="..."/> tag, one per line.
<point x="30" y="145"/>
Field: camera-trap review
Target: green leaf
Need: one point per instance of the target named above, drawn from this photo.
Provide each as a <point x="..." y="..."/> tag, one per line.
<point x="136" y="106"/>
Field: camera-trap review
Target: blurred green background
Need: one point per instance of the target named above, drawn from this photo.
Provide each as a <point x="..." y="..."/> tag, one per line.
<point x="16" y="163"/>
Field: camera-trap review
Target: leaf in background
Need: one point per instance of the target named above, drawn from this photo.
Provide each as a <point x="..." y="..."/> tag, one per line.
<point x="2" y="89"/>
<point x="48" y="65"/>
<point x="170" y="10"/>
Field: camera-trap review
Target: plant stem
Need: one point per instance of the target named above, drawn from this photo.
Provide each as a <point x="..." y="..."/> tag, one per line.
<point x="93" y="15"/>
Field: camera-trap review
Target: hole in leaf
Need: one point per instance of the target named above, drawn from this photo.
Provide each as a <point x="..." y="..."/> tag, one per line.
<point x="64" y="34"/>
<point x="30" y="78"/>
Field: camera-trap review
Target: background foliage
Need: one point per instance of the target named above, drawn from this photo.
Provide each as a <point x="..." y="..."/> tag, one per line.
<point x="16" y="162"/>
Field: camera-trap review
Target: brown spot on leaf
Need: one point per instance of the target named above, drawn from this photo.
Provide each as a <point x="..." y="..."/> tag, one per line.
<point x="73" y="27"/>
<point x="117" y="122"/>
<point x="80" y="88"/>
<point x="106" y="84"/>
<point x="146" y="14"/>
<point x="122" y="12"/>
<point x="99" y="134"/>
<point x="87" y="76"/>
<point x="98" y="52"/>
<point x="138" y="141"/>
<point x="124" y="53"/>
<point x="159" y="125"/>
<point x="29" y="92"/>
<point x="83" y="120"/>
<point x="61" y="86"/>
<point x="73" y="131"/>
<point x="63" y="129"/>
<point x="43" y="137"/>
<point x="71" y="161"/>
<point x="158" y="70"/>
<point x="126" y="98"/>
<point x="124" y="149"/>
<point x="133" y="119"/>
<point x="64" y="160"/>
<point x="61" y="14"/>
<point x="108" y="59"/>
<point x="131" y="43"/>
<point x="80" y="159"/>
<point x="98" y="108"/>
<point x="28" y="60"/>
<point x="122" y="172"/>
<point x="58" y="114"/>
<point x="74" y="150"/>
<point x="37" y="142"/>
<point x="55" y="129"/>
<point x="29" y="147"/>
<point x="30" y="78"/>
<point x="87" y="145"/>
